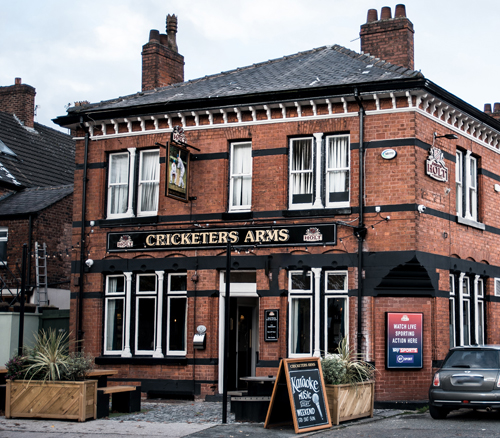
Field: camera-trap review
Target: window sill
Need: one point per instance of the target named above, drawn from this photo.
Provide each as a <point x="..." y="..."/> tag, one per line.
<point x="471" y="223"/>
<point x="140" y="360"/>
<point x="317" y="212"/>
<point x="128" y="221"/>
<point x="237" y="215"/>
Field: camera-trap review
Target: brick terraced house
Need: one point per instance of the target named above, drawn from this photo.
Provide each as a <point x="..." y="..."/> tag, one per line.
<point x="257" y="171"/>
<point x="36" y="199"/>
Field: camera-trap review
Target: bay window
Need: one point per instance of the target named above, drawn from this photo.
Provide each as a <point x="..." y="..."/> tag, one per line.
<point x="300" y="314"/>
<point x="126" y="197"/>
<point x="336" y="309"/>
<point x="145" y="313"/>
<point x="114" y="305"/>
<point x="134" y="309"/>
<point x="319" y="172"/>
<point x="240" y="185"/>
<point x="177" y="314"/>
<point x="466" y="310"/>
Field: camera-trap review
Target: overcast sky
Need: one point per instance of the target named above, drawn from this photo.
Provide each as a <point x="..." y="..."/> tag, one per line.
<point x="91" y="49"/>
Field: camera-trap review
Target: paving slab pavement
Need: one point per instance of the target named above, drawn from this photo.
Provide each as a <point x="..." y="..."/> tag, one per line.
<point x="123" y="428"/>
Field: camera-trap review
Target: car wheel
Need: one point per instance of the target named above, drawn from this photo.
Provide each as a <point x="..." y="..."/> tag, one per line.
<point x="438" y="413"/>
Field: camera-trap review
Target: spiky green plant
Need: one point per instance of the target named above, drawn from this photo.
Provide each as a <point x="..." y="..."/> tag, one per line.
<point x="346" y="367"/>
<point x="48" y="358"/>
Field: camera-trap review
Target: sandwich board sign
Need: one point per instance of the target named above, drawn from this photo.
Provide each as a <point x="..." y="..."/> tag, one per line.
<point x="299" y="396"/>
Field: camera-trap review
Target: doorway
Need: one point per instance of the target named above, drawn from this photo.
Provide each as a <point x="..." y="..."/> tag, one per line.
<point x="242" y="341"/>
<point x="243" y="330"/>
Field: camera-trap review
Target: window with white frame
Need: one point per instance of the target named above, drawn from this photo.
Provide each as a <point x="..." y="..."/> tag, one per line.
<point x="149" y="181"/>
<point x="4" y="237"/>
<point x="114" y="306"/>
<point x="452" y="312"/>
<point x="467" y="310"/>
<point x="126" y="197"/>
<point x="336" y="309"/>
<point x="145" y="313"/>
<point x="479" y="311"/>
<point x="319" y="171"/>
<point x="300" y="314"/>
<point x="466" y="185"/>
<point x="177" y="314"/>
<point x="240" y="183"/>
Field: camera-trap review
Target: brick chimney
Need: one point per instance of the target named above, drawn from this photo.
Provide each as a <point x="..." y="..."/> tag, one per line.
<point x="390" y="39"/>
<point x="19" y="99"/>
<point x="496" y="110"/>
<point x="161" y="63"/>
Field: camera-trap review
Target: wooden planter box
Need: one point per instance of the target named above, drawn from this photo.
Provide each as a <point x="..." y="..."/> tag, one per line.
<point x="56" y="400"/>
<point x="347" y="402"/>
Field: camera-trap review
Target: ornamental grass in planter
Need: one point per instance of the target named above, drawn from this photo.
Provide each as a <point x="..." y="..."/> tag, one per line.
<point x="349" y="384"/>
<point x="48" y="382"/>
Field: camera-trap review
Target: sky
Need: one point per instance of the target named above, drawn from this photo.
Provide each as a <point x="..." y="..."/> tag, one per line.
<point x="91" y="49"/>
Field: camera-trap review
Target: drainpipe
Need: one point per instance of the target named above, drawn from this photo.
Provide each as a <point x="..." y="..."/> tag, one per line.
<point x="80" y="331"/>
<point x="30" y="243"/>
<point x="360" y="230"/>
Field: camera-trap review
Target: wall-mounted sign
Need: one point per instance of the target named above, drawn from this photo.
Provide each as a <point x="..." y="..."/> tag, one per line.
<point x="299" y="396"/>
<point x="404" y="340"/>
<point x="435" y="166"/>
<point x="388" y="154"/>
<point x="291" y="235"/>
<point x="271" y="325"/>
<point x="177" y="179"/>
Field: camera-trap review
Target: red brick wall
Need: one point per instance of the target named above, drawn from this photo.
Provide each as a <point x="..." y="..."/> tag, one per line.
<point x="398" y="182"/>
<point x="52" y="226"/>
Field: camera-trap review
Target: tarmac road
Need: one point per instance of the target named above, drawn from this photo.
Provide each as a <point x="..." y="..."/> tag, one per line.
<point x="387" y="424"/>
<point x="464" y="423"/>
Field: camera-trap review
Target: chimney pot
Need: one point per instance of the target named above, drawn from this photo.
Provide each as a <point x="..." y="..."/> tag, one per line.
<point x="496" y="107"/>
<point x="163" y="39"/>
<point x="487" y="108"/>
<point x="18" y="81"/>
<point x="154" y="35"/>
<point x="171" y="32"/>
<point x="386" y="13"/>
<point x="372" y="15"/>
<point x="400" y="11"/>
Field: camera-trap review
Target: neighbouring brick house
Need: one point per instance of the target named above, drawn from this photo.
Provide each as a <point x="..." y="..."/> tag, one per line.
<point x="322" y="243"/>
<point x="36" y="197"/>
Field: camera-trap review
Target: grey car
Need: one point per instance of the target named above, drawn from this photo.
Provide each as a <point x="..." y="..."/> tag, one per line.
<point x="468" y="378"/>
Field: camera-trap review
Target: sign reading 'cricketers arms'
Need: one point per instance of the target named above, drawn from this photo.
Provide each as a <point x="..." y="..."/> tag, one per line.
<point x="298" y="396"/>
<point x="293" y="235"/>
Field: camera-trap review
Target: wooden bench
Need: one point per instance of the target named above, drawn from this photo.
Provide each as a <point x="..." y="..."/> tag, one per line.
<point x="123" y="399"/>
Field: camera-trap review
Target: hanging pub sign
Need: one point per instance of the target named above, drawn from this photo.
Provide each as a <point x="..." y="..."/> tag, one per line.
<point x="177" y="178"/>
<point x="244" y="237"/>
<point x="271" y="327"/>
<point x="299" y="396"/>
<point x="404" y="340"/>
<point x="435" y="166"/>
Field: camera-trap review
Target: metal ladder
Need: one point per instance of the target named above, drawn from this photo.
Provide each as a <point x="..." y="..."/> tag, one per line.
<point x="41" y="274"/>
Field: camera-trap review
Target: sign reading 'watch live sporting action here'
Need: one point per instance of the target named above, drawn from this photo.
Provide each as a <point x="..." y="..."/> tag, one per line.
<point x="404" y="340"/>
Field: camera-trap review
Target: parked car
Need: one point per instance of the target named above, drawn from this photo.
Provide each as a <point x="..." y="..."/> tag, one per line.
<point x="468" y="378"/>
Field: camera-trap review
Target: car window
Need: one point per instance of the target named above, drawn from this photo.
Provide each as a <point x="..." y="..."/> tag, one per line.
<point x="472" y="359"/>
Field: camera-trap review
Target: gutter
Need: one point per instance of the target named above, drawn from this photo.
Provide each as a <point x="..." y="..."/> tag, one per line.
<point x="80" y="331"/>
<point x="360" y="230"/>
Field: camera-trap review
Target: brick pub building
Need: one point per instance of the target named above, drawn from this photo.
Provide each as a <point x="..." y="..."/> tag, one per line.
<point x="323" y="245"/>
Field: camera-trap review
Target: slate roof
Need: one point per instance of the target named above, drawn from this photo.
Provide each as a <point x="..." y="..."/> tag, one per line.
<point x="326" y="66"/>
<point x="32" y="200"/>
<point x="47" y="155"/>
